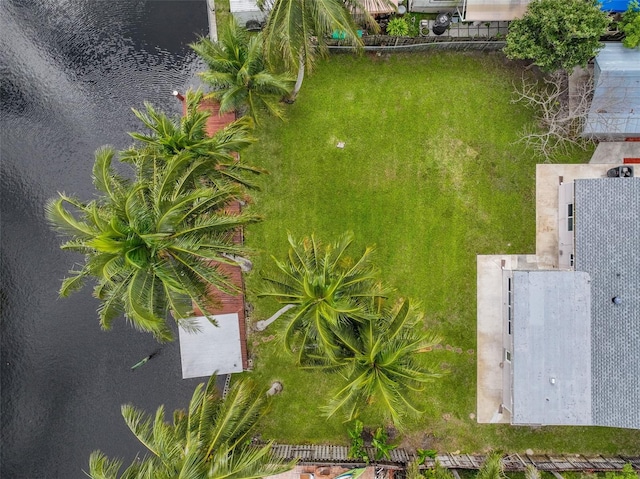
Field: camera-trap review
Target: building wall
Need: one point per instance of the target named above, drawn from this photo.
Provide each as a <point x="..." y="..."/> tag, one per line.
<point x="566" y="226"/>
<point x="507" y="339"/>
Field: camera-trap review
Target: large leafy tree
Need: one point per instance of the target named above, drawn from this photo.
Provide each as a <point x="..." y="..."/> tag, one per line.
<point x="148" y="243"/>
<point x="211" y="440"/>
<point x="211" y="158"/>
<point x="328" y="291"/>
<point x="382" y="366"/>
<point x="557" y="34"/>
<point x="630" y="25"/>
<point x="238" y="73"/>
<point x="296" y="30"/>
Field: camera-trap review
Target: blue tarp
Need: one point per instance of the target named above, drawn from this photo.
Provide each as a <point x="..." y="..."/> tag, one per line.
<point x="615" y="5"/>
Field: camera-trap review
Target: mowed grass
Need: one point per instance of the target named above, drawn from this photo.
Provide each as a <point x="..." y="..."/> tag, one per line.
<point x="430" y="174"/>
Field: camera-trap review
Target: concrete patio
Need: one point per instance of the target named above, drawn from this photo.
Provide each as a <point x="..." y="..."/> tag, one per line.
<point x="459" y="29"/>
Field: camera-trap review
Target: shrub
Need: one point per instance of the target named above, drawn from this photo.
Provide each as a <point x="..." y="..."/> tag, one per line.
<point x="557" y="34"/>
<point x="398" y="27"/>
<point x="630" y="25"/>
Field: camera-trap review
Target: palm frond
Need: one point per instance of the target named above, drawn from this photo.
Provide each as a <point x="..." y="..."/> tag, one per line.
<point x="492" y="468"/>
<point x="101" y="467"/>
<point x="63" y="221"/>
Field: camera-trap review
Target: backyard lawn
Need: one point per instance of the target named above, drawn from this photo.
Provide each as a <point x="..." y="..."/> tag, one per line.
<point x="431" y="175"/>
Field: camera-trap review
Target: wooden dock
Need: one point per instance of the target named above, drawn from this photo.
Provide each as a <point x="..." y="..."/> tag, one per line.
<point x="339" y="455"/>
<point x="226" y="303"/>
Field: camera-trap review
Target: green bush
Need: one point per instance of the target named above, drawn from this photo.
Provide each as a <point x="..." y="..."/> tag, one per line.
<point x="398" y="27"/>
<point x="557" y="34"/>
<point x="630" y="25"/>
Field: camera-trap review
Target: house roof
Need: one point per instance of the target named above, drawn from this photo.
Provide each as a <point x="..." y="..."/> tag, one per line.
<point x="615" y="108"/>
<point x="607" y="247"/>
<point x="551" y="348"/>
<point x="494" y="10"/>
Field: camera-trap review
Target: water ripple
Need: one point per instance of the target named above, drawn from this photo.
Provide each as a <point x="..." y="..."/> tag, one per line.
<point x="71" y="70"/>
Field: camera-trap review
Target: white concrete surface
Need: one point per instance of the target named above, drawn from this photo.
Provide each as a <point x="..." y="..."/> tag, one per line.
<point x="489" y="337"/>
<point x="614" y="152"/>
<point x="213" y="349"/>
<point x="548" y="177"/>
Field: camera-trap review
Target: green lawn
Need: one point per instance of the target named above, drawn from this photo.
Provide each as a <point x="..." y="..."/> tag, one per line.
<point x="431" y="175"/>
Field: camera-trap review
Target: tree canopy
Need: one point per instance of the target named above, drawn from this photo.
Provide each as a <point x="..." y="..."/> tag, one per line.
<point x="210" y="440"/>
<point x="239" y="75"/>
<point x="148" y="243"/>
<point x="382" y="366"/>
<point x="153" y="241"/>
<point x="342" y="321"/>
<point x="328" y="289"/>
<point x="296" y="30"/>
<point x="557" y="34"/>
<point x="211" y="158"/>
<point x="630" y="25"/>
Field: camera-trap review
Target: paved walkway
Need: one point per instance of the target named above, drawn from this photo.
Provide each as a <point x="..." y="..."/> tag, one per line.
<point x="459" y="29"/>
<point x="614" y="152"/>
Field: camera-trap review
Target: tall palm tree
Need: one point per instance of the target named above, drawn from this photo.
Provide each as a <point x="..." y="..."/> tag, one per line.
<point x="326" y="289"/>
<point x="238" y="73"/>
<point x="381" y="366"/>
<point x="213" y="158"/>
<point x="296" y="30"/>
<point x="148" y="243"/>
<point x="210" y="440"/>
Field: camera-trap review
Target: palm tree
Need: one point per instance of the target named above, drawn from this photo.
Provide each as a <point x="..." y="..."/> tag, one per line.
<point x="213" y="158"/>
<point x="438" y="471"/>
<point x="531" y="472"/>
<point x="148" y="243"/>
<point x="296" y="30"/>
<point x="209" y="440"/>
<point x="381" y="366"/>
<point x="492" y="468"/>
<point x="325" y="290"/>
<point x="238" y="73"/>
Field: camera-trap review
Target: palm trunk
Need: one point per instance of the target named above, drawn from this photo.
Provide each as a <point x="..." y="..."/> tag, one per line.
<point x="298" y="85"/>
<point x="244" y="263"/>
<point x="262" y="325"/>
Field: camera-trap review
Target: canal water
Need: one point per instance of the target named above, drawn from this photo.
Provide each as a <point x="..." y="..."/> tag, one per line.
<point x="71" y="71"/>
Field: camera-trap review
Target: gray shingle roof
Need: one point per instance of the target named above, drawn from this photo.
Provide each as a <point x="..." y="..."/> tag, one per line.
<point x="607" y="219"/>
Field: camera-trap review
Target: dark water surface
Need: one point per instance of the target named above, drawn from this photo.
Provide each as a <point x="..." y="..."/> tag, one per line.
<point x="71" y="70"/>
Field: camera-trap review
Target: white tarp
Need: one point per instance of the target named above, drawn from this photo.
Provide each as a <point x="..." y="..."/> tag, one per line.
<point x="494" y="10"/>
<point x="212" y="349"/>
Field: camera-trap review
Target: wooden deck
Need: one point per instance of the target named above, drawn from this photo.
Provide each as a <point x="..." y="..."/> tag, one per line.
<point x="224" y="303"/>
<point x="215" y="122"/>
